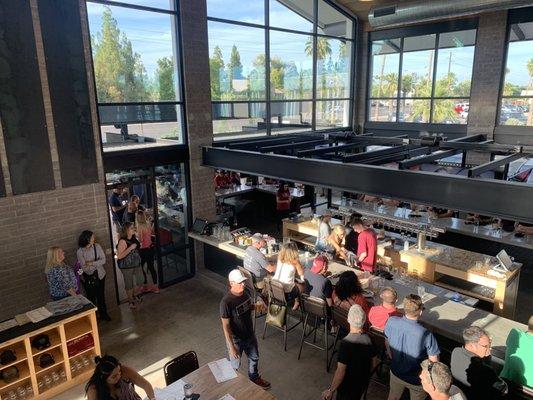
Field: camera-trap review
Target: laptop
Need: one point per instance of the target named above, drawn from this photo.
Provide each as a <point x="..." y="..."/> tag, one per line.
<point x="199" y="226"/>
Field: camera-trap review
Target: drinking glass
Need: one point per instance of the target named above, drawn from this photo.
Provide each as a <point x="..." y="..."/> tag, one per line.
<point x="47" y="381"/>
<point x="21" y="392"/>
<point x="29" y="391"/>
<point x="11" y="395"/>
<point x="55" y="377"/>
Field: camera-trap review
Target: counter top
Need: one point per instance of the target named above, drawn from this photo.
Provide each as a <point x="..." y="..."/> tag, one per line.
<point x="241" y="189"/>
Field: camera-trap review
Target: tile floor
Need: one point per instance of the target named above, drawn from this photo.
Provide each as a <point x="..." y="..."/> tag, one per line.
<point x="185" y="317"/>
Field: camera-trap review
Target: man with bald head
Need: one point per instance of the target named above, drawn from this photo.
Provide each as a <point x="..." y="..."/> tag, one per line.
<point x="379" y="315"/>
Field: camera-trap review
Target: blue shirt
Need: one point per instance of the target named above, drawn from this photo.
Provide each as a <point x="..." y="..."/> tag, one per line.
<point x="60" y="279"/>
<point x="410" y="344"/>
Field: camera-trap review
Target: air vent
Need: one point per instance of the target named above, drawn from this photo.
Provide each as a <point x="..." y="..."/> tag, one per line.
<point x="384" y="11"/>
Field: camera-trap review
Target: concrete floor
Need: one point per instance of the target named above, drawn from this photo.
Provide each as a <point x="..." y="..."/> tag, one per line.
<point x="185" y="317"/>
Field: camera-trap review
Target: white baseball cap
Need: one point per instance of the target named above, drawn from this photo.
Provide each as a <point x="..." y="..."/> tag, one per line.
<point x="236" y="276"/>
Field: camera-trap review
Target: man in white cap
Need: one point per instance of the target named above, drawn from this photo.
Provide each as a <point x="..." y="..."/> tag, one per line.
<point x="236" y="315"/>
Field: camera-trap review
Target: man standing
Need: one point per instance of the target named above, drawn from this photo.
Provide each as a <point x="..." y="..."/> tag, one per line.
<point x="471" y="367"/>
<point x="357" y="357"/>
<point x="410" y="343"/>
<point x="379" y="315"/>
<point x="437" y="381"/>
<point x="256" y="262"/>
<point x="236" y="315"/>
<point x="367" y="245"/>
<point x="118" y="206"/>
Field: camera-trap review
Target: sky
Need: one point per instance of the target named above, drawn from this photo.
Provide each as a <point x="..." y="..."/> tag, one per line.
<point x="519" y="54"/>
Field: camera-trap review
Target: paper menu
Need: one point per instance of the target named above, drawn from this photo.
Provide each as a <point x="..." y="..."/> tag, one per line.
<point x="222" y="370"/>
<point x="10" y="323"/>
<point x="38" y="314"/>
<point x="171" y="392"/>
<point x="227" y="397"/>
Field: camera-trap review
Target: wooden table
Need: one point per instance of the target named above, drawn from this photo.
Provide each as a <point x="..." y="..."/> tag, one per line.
<point x="241" y="388"/>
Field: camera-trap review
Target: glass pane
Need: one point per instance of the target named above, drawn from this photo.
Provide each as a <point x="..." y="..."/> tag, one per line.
<point x="140" y="126"/>
<point x="457" y="39"/>
<point x="332" y="114"/>
<point x="292" y="14"/>
<point x="417" y="73"/>
<point x="519" y="71"/>
<point x="133" y="54"/>
<point x="332" y="22"/>
<point x="237" y="62"/>
<point x="294" y="116"/>
<point x="517" y="112"/>
<point x="291" y="65"/>
<point x="383" y="110"/>
<point x="252" y="11"/>
<point x="172" y="221"/>
<point x="239" y="119"/>
<point x="522" y="31"/>
<point x="163" y="4"/>
<point x="417" y="43"/>
<point x="385" y="66"/>
<point x="450" y="111"/>
<point x="414" y="110"/>
<point x="333" y="71"/>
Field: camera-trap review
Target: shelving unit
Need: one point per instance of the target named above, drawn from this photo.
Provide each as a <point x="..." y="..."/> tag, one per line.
<point x="60" y="334"/>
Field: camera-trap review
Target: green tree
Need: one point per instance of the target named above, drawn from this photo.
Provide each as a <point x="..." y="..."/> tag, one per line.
<point x="234" y="65"/>
<point x="165" y="79"/>
<point x="323" y="48"/>
<point x="216" y="66"/>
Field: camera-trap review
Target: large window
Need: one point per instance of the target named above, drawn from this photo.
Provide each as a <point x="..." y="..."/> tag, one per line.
<point x="279" y="66"/>
<point x="420" y="78"/>
<point x="136" y="68"/>
<point x="517" y="94"/>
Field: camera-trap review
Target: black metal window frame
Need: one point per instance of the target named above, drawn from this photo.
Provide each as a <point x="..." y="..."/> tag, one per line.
<point x="267" y="100"/>
<point x="175" y="12"/>
<point x="402" y="33"/>
<point x="516" y="16"/>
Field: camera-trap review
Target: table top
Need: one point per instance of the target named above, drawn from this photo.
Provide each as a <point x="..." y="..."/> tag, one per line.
<point x="241" y="189"/>
<point x="241" y="388"/>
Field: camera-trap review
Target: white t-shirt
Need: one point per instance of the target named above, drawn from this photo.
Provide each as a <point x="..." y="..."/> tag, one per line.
<point x="456" y="393"/>
<point x="285" y="273"/>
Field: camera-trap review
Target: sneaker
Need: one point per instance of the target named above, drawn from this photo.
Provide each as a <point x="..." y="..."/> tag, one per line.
<point x="261" y="382"/>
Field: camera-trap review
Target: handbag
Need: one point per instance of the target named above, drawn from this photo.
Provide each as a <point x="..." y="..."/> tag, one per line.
<point x="91" y="280"/>
<point x="132" y="260"/>
<point x="276" y="315"/>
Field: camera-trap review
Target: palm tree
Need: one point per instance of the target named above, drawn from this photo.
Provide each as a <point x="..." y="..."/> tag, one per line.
<point x="530" y="71"/>
<point x="323" y="48"/>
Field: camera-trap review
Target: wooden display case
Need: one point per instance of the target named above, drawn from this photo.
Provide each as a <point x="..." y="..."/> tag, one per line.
<point x="71" y="370"/>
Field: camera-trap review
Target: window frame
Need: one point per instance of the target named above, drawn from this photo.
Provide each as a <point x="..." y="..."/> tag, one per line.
<point x="401" y="33"/>
<point x="313" y="99"/>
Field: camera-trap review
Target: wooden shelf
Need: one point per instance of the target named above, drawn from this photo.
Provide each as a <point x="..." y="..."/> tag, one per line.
<point x="20" y="353"/>
<point x="19" y="360"/>
<point x="58" y="358"/>
<point x="55" y="341"/>
<point x="24" y="373"/>
<point x="82" y="353"/>
<point x="78" y="328"/>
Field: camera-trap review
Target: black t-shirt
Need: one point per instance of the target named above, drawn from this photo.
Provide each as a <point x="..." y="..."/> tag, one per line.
<point x="356" y="352"/>
<point x="238" y="309"/>
<point x="116" y="201"/>
<point x="318" y="285"/>
<point x="350" y="241"/>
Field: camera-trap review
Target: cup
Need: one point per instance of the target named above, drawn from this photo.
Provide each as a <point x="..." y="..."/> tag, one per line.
<point x="421" y="291"/>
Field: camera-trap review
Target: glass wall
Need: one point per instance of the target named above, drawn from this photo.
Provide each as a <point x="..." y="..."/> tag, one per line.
<point x="421" y="78"/>
<point x="279" y="66"/>
<point x="136" y="67"/>
<point x="517" y="94"/>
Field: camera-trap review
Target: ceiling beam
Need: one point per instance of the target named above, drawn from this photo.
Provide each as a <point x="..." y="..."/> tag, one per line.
<point x="427" y="159"/>
<point x="493" y="165"/>
<point x="367" y="155"/>
<point x="292" y="146"/>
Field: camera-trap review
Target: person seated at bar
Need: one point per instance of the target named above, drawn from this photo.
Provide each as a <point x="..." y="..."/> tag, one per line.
<point x="349" y="291"/>
<point x="324" y="230"/>
<point x="410" y="344"/>
<point x="379" y="315"/>
<point x="317" y="285"/>
<point x="518" y="366"/>
<point x="112" y="380"/>
<point x="336" y="242"/>
<point x="290" y="272"/>
<point x="283" y="202"/>
<point x="357" y="357"/>
<point x="60" y="277"/>
<point x="524" y="228"/>
<point x="437" y="381"/>
<point x="471" y="367"/>
<point x="367" y="245"/>
<point x="350" y="241"/>
<point x="441" y="212"/>
<point x="256" y="262"/>
<point x="234" y="178"/>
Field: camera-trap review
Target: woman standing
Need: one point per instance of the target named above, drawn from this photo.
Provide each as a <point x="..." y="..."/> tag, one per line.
<point x="324" y="230"/>
<point x="336" y="242"/>
<point x="283" y="202"/>
<point x="290" y="272"/>
<point x="113" y="381"/>
<point x="144" y="233"/>
<point x="60" y="277"/>
<point x="92" y="260"/>
<point x="129" y="262"/>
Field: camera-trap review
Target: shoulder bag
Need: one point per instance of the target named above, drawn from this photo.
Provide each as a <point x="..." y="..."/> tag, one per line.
<point x="132" y="260"/>
<point x="92" y="279"/>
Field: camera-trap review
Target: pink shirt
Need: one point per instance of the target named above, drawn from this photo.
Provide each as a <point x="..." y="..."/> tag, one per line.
<point x="145" y="239"/>
<point x="367" y="243"/>
<point x="379" y="315"/>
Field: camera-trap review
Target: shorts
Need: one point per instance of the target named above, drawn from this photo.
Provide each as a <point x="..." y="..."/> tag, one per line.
<point x="397" y="387"/>
<point x="293" y="294"/>
<point x="131" y="273"/>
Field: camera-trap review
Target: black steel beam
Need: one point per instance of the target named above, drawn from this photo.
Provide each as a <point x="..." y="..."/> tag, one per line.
<point x="420" y="151"/>
<point x="324" y="150"/>
<point x="470" y="138"/>
<point x="509" y="200"/>
<point x="256" y="143"/>
<point x="367" y="155"/>
<point x="292" y="146"/>
<point x="493" y="165"/>
<point x="484" y="147"/>
<point x="427" y="159"/>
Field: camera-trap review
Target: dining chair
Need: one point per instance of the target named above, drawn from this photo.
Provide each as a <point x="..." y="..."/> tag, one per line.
<point x="180" y="366"/>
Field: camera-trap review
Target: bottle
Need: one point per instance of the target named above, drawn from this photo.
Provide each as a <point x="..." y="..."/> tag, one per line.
<point x="406" y="245"/>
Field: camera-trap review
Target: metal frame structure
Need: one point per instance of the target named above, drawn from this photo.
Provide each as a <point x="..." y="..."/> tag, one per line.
<point x="268" y="101"/>
<point x="345" y="165"/>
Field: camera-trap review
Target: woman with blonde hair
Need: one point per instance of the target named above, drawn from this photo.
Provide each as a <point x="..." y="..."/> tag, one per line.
<point x="144" y="234"/>
<point x="290" y="272"/>
<point x="336" y="241"/>
<point x="61" y="279"/>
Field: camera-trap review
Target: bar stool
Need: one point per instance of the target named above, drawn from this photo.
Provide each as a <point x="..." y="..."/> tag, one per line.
<point x="316" y="308"/>
<point x="340" y="316"/>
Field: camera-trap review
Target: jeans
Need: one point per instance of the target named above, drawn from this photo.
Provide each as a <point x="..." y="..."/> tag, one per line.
<point x="96" y="294"/>
<point x="249" y="347"/>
